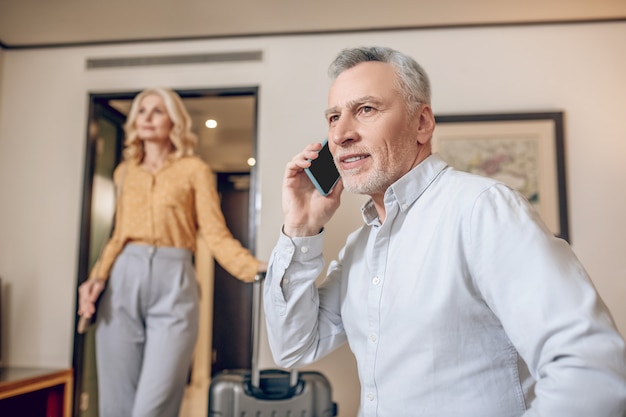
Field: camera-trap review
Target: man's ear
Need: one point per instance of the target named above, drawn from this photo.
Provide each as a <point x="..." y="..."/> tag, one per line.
<point x="425" y="123"/>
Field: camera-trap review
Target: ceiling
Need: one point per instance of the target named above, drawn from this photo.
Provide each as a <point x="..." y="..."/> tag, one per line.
<point x="45" y="23"/>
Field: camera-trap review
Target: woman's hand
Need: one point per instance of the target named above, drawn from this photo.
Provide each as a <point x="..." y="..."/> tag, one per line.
<point x="88" y="293"/>
<point x="262" y="267"/>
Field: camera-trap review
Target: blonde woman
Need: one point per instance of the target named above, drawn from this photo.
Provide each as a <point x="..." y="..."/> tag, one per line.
<point x="147" y="322"/>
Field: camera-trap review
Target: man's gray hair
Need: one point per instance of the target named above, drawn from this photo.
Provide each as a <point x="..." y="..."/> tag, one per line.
<point x="413" y="81"/>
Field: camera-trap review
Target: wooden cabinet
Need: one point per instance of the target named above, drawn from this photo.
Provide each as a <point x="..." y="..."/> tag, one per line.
<point x="35" y="392"/>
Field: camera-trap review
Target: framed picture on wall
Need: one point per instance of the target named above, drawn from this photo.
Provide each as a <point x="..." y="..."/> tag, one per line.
<point x="523" y="150"/>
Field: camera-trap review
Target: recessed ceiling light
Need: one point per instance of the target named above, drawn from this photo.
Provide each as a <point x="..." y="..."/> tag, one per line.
<point x="251" y="162"/>
<point x="211" y="124"/>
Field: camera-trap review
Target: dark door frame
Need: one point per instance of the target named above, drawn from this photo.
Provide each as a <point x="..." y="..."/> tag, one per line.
<point x="101" y="99"/>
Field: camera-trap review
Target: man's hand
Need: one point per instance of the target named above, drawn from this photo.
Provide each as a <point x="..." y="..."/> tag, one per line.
<point x="306" y="210"/>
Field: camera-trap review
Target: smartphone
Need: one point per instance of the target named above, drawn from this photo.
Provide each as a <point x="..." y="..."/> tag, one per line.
<point x="323" y="172"/>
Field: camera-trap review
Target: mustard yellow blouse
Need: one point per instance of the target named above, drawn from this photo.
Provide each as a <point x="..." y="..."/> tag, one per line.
<point x="170" y="208"/>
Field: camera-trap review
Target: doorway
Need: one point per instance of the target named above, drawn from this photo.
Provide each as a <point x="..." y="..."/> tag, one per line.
<point x="230" y="149"/>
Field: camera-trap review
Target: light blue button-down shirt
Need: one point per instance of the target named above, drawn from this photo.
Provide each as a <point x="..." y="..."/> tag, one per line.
<point x="461" y="304"/>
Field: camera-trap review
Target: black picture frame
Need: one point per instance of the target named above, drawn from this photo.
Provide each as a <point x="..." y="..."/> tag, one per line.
<point x="524" y="150"/>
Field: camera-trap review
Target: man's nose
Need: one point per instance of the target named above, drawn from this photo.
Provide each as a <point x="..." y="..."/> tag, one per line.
<point x="343" y="130"/>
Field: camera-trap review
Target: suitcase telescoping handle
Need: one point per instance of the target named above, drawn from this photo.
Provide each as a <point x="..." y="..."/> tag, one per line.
<point x="256" y="326"/>
<point x="257" y="292"/>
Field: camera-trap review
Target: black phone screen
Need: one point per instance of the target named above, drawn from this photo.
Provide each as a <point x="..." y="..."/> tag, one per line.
<point x="323" y="171"/>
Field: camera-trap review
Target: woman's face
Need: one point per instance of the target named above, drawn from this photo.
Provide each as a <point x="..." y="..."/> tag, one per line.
<point x="153" y="122"/>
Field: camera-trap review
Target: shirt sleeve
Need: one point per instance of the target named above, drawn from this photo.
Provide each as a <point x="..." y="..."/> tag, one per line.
<point x="228" y="251"/>
<point x="549" y="309"/>
<point x="303" y="322"/>
<point x="115" y="244"/>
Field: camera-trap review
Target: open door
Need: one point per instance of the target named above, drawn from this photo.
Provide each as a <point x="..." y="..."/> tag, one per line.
<point x="105" y="138"/>
<point x="232" y="343"/>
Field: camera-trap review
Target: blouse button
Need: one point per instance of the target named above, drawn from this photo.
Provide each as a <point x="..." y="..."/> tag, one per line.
<point x="304" y="249"/>
<point x="370" y="396"/>
<point x="376" y="281"/>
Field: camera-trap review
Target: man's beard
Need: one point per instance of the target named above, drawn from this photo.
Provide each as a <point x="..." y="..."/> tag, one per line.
<point x="376" y="181"/>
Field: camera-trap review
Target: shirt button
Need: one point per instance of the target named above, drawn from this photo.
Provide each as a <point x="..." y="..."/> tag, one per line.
<point x="370" y="396"/>
<point x="285" y="281"/>
<point x="373" y="337"/>
<point x="290" y="250"/>
<point x="376" y="281"/>
<point x="304" y="249"/>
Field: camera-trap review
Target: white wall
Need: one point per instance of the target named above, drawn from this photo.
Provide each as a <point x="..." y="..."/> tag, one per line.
<point x="580" y="69"/>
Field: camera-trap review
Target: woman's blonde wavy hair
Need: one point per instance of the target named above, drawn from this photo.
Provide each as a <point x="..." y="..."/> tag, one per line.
<point x="181" y="136"/>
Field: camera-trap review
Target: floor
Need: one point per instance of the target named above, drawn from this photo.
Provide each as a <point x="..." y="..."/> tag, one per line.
<point x="195" y="401"/>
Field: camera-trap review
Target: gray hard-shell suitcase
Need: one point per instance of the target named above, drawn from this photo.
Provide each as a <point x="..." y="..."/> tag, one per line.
<point x="271" y="392"/>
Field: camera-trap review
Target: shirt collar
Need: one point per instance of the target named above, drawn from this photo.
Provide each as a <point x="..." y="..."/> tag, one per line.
<point x="407" y="189"/>
<point x="171" y="158"/>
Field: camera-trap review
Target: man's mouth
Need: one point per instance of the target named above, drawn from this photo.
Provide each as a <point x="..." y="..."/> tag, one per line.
<point x="354" y="158"/>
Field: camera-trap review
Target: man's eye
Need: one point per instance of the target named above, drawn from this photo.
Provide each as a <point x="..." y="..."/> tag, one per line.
<point x="367" y="109"/>
<point x="333" y="118"/>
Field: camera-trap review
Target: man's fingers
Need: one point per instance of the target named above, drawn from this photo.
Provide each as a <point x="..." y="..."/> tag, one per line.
<point x="302" y="160"/>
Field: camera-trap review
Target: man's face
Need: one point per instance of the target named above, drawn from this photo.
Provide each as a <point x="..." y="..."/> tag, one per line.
<point x="372" y="137"/>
